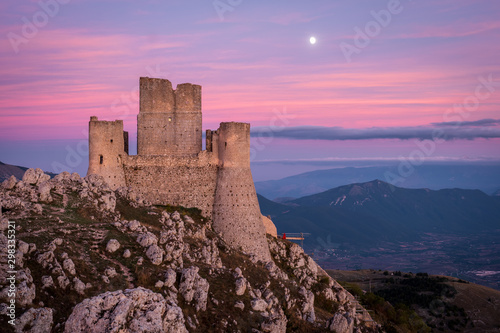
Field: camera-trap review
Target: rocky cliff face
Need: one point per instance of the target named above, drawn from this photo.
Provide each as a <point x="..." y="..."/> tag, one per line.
<point x="89" y="259"/>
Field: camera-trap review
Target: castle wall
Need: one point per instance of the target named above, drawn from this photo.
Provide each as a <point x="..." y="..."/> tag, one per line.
<point x="107" y="149"/>
<point x="169" y="121"/>
<point x="184" y="181"/>
<point x="236" y="214"/>
<point x="170" y="167"/>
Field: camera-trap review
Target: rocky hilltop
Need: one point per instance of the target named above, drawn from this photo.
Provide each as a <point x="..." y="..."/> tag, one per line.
<point x="90" y="259"/>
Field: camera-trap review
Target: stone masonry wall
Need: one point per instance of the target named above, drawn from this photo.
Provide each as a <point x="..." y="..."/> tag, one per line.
<point x="236" y="214"/>
<point x="107" y="149"/>
<point x="184" y="181"/>
<point x="169" y="121"/>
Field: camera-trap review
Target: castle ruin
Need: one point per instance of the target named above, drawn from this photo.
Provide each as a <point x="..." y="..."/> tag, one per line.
<point x="171" y="168"/>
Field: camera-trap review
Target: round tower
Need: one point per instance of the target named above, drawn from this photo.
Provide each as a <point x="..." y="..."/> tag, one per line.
<point x="236" y="214"/>
<point x="108" y="144"/>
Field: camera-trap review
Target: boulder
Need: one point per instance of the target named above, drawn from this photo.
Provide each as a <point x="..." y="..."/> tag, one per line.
<point x="35" y="321"/>
<point x="155" y="254"/>
<point x="133" y="310"/>
<point x="126" y="253"/>
<point x="112" y="245"/>
<point x="147" y="239"/>
<point x="79" y="286"/>
<point x="35" y="176"/>
<point x="69" y="266"/>
<point x="241" y="286"/>
<point x="10" y="183"/>
<point x="307" y="308"/>
<point x="26" y="290"/>
<point x="258" y="304"/>
<point x="194" y="288"/>
<point x="340" y="323"/>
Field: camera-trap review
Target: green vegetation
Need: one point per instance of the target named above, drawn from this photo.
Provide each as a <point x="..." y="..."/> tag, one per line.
<point x="412" y="303"/>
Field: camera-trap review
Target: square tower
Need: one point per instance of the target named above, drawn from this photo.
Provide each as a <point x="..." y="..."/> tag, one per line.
<point x="169" y="121"/>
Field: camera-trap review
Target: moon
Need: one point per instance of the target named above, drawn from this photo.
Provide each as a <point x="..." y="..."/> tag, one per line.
<point x="312" y="40"/>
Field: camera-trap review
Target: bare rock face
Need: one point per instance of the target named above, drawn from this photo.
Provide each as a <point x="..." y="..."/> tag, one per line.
<point x="258" y="304"/>
<point x="174" y="320"/>
<point x="241" y="286"/>
<point x="10" y="183"/>
<point x="276" y="322"/>
<point x="69" y="266"/>
<point x="340" y="323"/>
<point x="25" y="288"/>
<point x="79" y="286"/>
<point x="147" y="239"/>
<point x="307" y="308"/>
<point x="194" y="288"/>
<point x="155" y="254"/>
<point x="133" y="310"/>
<point x="35" y="321"/>
<point x="35" y="176"/>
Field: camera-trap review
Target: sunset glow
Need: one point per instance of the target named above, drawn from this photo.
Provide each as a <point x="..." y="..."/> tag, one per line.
<point x="425" y="63"/>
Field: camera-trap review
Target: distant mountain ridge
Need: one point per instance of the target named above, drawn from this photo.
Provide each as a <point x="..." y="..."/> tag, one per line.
<point x="482" y="177"/>
<point x="7" y="170"/>
<point x="366" y="213"/>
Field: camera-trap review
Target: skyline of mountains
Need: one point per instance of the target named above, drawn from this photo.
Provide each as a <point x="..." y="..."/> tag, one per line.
<point x="435" y="177"/>
<point x="365" y="214"/>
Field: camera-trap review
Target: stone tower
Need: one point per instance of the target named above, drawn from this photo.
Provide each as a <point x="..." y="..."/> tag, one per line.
<point x="169" y="121"/>
<point x="108" y="145"/>
<point x="236" y="214"/>
<point x="171" y="168"/>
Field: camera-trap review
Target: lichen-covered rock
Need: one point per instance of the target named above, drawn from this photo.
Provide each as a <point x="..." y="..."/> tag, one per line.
<point x="133" y="225"/>
<point x="35" y="321"/>
<point x="258" y="304"/>
<point x="112" y="245"/>
<point x="79" y="286"/>
<point x="194" y="288"/>
<point x="63" y="281"/>
<point x="10" y="183"/>
<point x="241" y="286"/>
<point x="23" y="246"/>
<point x="155" y="254"/>
<point x="126" y="253"/>
<point x="47" y="281"/>
<point x="174" y="320"/>
<point x="133" y="310"/>
<point x="69" y="266"/>
<point x="110" y="272"/>
<point x="307" y="308"/>
<point x="26" y="291"/>
<point x="170" y="277"/>
<point x="276" y="322"/>
<point x="340" y="323"/>
<point x="147" y="239"/>
<point x="44" y="189"/>
<point x="35" y="176"/>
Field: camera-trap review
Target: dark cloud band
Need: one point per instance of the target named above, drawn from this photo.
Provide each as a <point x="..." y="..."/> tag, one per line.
<point x="474" y="130"/>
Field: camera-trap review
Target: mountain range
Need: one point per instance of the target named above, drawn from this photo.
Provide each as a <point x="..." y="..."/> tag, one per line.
<point x="482" y="177"/>
<point x="366" y="214"/>
<point x="7" y="170"/>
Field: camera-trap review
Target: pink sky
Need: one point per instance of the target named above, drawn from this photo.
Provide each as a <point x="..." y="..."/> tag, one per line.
<point x="252" y="63"/>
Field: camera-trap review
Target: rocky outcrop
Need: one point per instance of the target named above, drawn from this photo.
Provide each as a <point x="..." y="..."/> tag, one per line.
<point x="194" y="288"/>
<point x="165" y="264"/>
<point x="35" y="321"/>
<point x="132" y="310"/>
